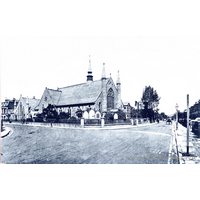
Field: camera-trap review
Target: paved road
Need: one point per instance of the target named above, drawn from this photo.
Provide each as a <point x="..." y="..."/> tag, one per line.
<point x="39" y="145"/>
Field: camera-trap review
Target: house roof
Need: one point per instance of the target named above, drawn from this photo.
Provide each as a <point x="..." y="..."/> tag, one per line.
<point x="32" y="102"/>
<point x="126" y="103"/>
<point x="80" y="94"/>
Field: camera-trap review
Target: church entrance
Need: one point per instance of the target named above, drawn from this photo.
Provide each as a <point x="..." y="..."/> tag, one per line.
<point x="110" y="99"/>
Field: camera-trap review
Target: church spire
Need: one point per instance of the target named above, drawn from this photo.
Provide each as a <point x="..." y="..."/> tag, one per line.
<point x="89" y="76"/>
<point x="103" y="72"/>
<point x="118" y="79"/>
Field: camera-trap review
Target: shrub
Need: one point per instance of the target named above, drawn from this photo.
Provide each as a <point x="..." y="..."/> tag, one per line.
<point x="64" y="115"/>
<point x="39" y="118"/>
<point x="29" y="120"/>
<point x="109" y="116"/>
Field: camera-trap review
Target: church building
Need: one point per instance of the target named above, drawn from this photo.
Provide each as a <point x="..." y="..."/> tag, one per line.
<point x="93" y="97"/>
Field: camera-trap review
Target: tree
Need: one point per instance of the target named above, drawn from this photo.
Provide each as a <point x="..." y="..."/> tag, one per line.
<point x="162" y="115"/>
<point x="135" y="113"/>
<point x="50" y="112"/>
<point x="150" y="100"/>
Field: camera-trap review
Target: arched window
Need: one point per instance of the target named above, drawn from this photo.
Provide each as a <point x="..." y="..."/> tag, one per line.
<point x="110" y="99"/>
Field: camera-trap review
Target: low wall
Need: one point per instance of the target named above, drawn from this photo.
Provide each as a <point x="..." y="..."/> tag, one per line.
<point x="46" y="124"/>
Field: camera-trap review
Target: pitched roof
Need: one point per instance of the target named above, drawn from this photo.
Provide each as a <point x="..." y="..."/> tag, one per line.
<point x="32" y="102"/>
<point x="80" y="94"/>
<point x="55" y="95"/>
<point x="125" y="103"/>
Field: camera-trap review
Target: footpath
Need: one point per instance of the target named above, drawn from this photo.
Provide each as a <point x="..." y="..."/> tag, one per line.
<point x="6" y="131"/>
<point x="181" y="144"/>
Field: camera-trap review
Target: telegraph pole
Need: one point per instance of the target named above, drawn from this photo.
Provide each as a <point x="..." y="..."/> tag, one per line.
<point x="188" y="127"/>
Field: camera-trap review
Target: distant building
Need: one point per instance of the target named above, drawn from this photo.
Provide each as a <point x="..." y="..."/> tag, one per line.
<point x="25" y="107"/>
<point x="7" y="108"/>
<point x="92" y="97"/>
<point x="195" y="110"/>
<point x="127" y="109"/>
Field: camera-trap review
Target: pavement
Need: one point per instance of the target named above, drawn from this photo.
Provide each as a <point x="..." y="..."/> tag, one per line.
<point x="181" y="144"/>
<point x="6" y="131"/>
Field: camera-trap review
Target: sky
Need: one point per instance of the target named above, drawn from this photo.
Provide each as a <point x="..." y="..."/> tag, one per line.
<point x="168" y="64"/>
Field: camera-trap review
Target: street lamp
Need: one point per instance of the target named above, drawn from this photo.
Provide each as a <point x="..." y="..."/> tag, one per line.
<point x="176" y="116"/>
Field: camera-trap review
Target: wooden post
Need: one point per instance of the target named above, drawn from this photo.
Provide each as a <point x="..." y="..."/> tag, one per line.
<point x="188" y="127"/>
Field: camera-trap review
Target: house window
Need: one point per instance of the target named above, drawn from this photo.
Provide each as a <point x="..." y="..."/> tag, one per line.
<point x="110" y="99"/>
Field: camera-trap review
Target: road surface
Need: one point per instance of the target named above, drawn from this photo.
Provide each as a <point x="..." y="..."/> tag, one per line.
<point x="40" y="145"/>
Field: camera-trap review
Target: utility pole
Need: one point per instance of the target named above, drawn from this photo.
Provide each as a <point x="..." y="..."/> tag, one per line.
<point x="188" y="127"/>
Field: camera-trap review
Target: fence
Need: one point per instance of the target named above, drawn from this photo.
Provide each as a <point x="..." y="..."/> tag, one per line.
<point x="118" y="122"/>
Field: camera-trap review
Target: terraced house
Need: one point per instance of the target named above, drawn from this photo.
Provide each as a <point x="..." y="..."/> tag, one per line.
<point x="7" y="108"/>
<point x="93" y="97"/>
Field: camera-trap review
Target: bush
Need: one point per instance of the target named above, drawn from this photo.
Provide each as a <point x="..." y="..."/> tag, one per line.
<point x="39" y="118"/>
<point x="29" y="120"/>
<point x="64" y="115"/>
<point x="109" y="117"/>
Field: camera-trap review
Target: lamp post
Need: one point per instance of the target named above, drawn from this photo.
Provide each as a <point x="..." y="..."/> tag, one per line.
<point x="176" y="116"/>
